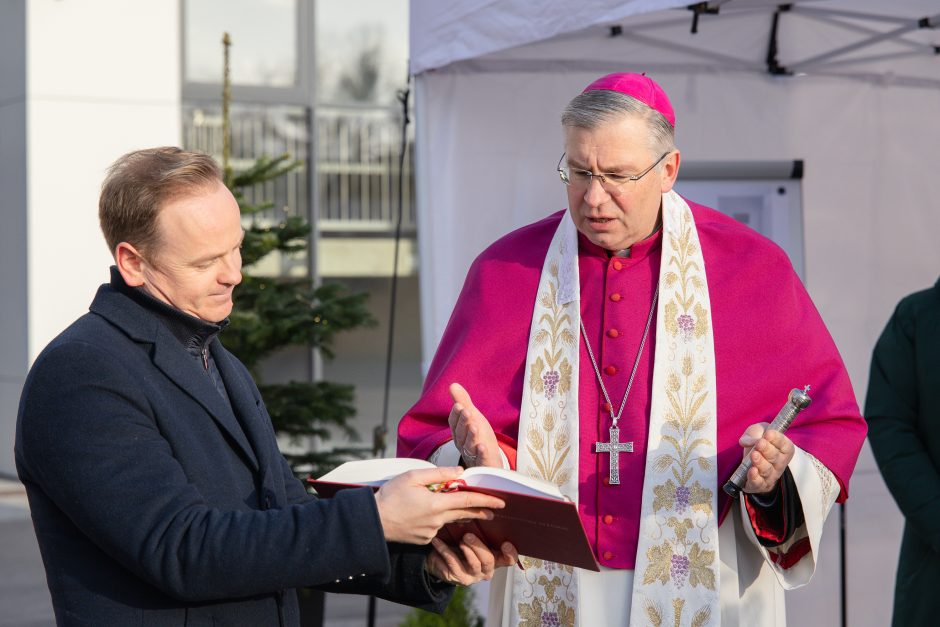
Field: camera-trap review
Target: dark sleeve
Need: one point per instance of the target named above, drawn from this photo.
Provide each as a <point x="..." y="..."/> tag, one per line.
<point x="891" y="408"/>
<point x="296" y="493"/>
<point x="91" y="441"/>
<point x="409" y="583"/>
<point x="777" y="515"/>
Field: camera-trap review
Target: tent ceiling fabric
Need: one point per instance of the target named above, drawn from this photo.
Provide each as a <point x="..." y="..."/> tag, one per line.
<point x="444" y="32"/>
<point x="493" y="76"/>
<point x="827" y="38"/>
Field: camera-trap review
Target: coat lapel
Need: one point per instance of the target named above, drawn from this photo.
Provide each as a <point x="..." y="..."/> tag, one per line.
<point x="173" y="361"/>
<point x="183" y="370"/>
<point x="243" y="401"/>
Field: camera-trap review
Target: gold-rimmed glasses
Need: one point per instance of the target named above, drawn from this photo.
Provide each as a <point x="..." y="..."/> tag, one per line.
<point x="612" y="182"/>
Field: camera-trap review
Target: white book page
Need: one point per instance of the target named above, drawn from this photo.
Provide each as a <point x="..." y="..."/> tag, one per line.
<point x="510" y="481"/>
<point x="374" y="472"/>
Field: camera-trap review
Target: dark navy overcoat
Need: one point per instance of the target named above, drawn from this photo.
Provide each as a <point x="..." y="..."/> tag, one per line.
<point x="155" y="502"/>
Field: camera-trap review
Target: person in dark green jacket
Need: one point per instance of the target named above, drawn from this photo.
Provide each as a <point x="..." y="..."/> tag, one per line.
<point x="903" y="413"/>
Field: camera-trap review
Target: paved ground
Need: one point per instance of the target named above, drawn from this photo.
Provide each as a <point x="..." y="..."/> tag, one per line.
<point x="24" y="599"/>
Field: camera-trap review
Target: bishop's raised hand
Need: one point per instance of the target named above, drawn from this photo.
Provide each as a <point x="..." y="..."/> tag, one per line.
<point x="473" y="435"/>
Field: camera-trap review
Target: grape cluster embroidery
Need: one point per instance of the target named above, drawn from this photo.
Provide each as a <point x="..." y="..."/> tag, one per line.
<point x="550" y="379"/>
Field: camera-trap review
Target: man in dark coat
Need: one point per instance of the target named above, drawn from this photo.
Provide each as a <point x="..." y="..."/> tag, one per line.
<point x="157" y="490"/>
<point x="903" y="412"/>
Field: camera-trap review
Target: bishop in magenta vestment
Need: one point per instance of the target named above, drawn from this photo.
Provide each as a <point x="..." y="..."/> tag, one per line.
<point x="769" y="338"/>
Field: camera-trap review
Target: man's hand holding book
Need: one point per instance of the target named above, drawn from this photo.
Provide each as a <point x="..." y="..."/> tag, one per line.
<point x="414" y="514"/>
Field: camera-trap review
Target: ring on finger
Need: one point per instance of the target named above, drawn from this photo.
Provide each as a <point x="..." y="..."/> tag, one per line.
<point x="466" y="455"/>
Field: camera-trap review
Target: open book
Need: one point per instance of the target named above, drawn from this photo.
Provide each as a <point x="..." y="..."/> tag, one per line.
<point x="537" y="519"/>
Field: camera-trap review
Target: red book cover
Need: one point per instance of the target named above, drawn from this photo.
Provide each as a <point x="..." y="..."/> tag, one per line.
<point x="545" y="527"/>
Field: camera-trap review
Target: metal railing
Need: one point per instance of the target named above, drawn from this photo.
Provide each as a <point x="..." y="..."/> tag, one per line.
<point x="357" y="161"/>
<point x="357" y="165"/>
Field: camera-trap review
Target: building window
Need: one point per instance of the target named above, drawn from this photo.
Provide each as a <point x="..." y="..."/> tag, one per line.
<point x="266" y="32"/>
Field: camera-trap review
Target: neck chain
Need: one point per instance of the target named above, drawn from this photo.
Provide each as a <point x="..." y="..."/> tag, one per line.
<point x="639" y="353"/>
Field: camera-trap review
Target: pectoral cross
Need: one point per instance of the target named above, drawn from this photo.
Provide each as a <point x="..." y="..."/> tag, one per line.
<point x="614" y="447"/>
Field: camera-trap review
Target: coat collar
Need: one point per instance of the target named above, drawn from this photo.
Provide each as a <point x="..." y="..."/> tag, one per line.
<point x="170" y="356"/>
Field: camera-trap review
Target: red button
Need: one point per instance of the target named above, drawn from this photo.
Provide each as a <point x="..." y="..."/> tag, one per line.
<point x="608" y="519"/>
<point x="607" y="407"/>
<point x="615" y="297"/>
<point x="606" y="481"/>
<point x="613" y="333"/>
<point x="611" y="370"/>
<point x="617" y="265"/>
<point x="608" y="555"/>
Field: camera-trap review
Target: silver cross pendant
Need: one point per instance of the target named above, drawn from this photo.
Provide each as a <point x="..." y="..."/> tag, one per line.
<point x="614" y="447"/>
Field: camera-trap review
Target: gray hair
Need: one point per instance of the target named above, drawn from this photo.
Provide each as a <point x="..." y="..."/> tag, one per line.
<point x="597" y="107"/>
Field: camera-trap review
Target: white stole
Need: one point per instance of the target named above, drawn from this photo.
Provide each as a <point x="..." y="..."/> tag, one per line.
<point x="677" y="564"/>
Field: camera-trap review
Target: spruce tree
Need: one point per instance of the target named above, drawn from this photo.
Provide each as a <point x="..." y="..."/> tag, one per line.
<point x="459" y="613"/>
<point x="272" y="313"/>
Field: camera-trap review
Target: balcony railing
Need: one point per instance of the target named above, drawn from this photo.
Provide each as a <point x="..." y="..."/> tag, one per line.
<point x="358" y="170"/>
<point x="357" y="162"/>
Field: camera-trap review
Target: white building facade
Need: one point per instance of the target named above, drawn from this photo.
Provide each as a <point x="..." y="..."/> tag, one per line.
<point x="75" y="93"/>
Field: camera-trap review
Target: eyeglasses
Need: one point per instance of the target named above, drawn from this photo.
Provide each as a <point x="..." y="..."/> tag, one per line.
<point x="611" y="182"/>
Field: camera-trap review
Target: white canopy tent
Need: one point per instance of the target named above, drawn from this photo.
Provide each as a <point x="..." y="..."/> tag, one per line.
<point x="850" y="88"/>
<point x="492" y="78"/>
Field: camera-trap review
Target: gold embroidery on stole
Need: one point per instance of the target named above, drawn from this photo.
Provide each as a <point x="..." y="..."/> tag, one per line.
<point x="677" y="552"/>
<point x="546" y="592"/>
<point x="676" y="581"/>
